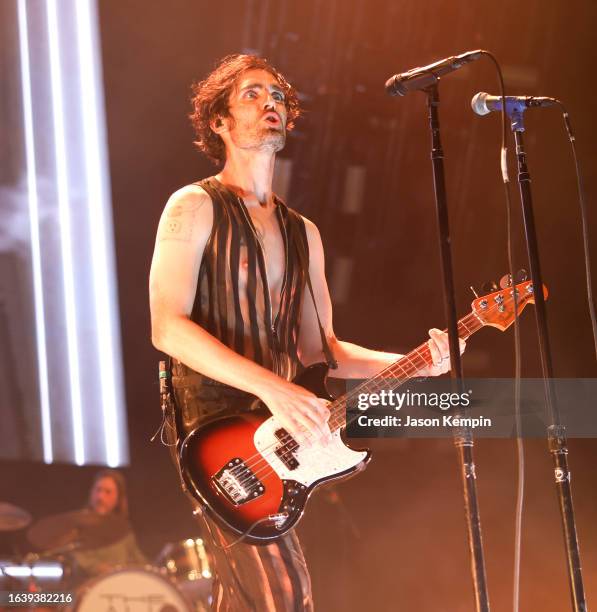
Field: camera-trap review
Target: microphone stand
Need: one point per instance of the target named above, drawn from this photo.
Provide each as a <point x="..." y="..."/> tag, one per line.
<point x="556" y="432"/>
<point x="463" y="437"/>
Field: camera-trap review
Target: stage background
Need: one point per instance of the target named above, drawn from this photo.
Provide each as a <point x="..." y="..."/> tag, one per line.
<point x="394" y="538"/>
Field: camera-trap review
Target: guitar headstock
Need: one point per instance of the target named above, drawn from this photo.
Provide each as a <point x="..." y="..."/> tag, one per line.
<point x="497" y="308"/>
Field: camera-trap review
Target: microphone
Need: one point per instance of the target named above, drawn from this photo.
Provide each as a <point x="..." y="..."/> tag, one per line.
<point x="420" y="78"/>
<point x="482" y="103"/>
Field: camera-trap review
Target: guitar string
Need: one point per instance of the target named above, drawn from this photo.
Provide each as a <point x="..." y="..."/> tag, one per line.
<point x="336" y="421"/>
<point x="474" y="321"/>
<point x="338" y="404"/>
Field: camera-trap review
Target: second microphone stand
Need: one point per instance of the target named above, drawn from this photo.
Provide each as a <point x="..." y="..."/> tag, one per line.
<point x="556" y="433"/>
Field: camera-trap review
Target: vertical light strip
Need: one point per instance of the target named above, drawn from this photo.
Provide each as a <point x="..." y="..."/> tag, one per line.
<point x="99" y="239"/>
<point x="38" y="296"/>
<point x="65" y="232"/>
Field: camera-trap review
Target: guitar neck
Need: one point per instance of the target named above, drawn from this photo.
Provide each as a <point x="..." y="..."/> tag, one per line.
<point x="407" y="367"/>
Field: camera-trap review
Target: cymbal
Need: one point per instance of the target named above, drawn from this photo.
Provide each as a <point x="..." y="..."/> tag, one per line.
<point x="81" y="529"/>
<point x="13" y="517"/>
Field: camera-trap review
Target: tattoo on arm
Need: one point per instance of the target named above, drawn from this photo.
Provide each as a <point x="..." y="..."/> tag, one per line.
<point x="179" y="222"/>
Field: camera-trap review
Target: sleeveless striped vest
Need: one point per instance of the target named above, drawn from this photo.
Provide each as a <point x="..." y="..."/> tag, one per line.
<point x="268" y="338"/>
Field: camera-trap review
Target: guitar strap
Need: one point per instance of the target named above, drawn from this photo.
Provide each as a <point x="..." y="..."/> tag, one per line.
<point x="302" y="253"/>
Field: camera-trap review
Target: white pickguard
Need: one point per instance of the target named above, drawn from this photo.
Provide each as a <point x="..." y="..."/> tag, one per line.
<point x="315" y="462"/>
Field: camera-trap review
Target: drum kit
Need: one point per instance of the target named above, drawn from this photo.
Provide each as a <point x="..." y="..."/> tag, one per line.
<point x="179" y="581"/>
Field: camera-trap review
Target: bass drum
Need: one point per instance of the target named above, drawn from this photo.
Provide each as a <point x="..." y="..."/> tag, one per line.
<point x="130" y="590"/>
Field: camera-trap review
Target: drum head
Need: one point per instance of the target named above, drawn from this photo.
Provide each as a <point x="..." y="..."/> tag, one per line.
<point x="130" y="590"/>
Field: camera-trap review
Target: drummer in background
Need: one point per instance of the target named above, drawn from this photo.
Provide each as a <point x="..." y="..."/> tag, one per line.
<point x="108" y="497"/>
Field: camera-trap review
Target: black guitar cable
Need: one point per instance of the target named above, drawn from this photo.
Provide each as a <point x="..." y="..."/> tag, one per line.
<point x="271" y="517"/>
<point x="517" y="352"/>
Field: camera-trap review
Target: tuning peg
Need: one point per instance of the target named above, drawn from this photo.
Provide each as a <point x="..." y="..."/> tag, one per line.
<point x="474" y="292"/>
<point x="521" y="276"/>
<point x="489" y="287"/>
<point x="505" y="281"/>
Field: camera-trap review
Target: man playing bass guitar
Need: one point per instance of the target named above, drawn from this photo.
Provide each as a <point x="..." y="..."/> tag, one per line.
<point x="231" y="304"/>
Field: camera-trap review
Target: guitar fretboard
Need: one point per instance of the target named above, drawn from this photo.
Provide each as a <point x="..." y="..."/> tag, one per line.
<point x="407" y="367"/>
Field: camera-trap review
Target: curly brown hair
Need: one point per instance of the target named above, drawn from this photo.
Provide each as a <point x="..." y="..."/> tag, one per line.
<point x="210" y="99"/>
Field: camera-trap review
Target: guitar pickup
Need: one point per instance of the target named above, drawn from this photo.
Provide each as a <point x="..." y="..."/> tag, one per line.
<point x="237" y="482"/>
<point x="285" y="452"/>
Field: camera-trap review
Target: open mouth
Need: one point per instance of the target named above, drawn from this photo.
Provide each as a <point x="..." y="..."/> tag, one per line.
<point x="272" y="119"/>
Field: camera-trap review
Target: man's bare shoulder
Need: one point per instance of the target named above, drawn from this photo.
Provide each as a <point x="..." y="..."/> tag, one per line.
<point x="188" y="215"/>
<point x="187" y="199"/>
<point x="313" y="235"/>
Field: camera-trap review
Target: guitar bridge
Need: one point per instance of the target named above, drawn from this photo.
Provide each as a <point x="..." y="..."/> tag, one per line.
<point x="237" y="482"/>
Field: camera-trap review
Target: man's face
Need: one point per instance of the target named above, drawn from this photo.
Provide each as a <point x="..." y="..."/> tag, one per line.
<point x="258" y="113"/>
<point x="104" y="496"/>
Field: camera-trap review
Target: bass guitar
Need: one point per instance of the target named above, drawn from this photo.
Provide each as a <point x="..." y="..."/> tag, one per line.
<point x="254" y="478"/>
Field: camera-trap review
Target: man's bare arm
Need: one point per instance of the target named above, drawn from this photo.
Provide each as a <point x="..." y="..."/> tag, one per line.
<point x="354" y="361"/>
<point x="183" y="232"/>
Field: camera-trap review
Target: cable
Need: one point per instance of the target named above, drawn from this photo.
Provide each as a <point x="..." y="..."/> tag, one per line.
<point x="517" y="379"/>
<point x="583" y="215"/>
<point x="214" y="540"/>
<point x="517" y="355"/>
